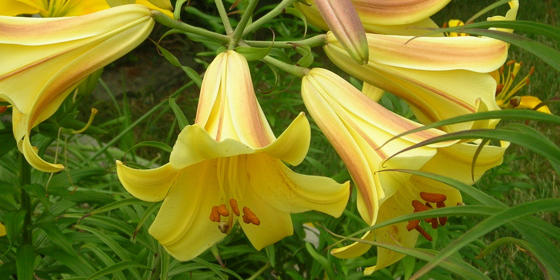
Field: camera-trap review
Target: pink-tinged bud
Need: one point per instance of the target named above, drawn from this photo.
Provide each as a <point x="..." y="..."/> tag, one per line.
<point x="344" y="22"/>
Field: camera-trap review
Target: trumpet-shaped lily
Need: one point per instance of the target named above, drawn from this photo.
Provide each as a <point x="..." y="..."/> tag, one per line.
<point x="439" y="77"/>
<point x="228" y="167"/>
<point x="357" y="127"/>
<point x="384" y="16"/>
<point x="67" y="8"/>
<point x="43" y="60"/>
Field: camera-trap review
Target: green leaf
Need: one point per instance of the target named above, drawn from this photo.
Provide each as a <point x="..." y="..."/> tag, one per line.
<point x="118" y="204"/>
<point x="116" y="268"/>
<point x="8" y="141"/>
<point x="178" y="114"/>
<point x="105" y="259"/>
<point x="326" y="264"/>
<point x="57" y="237"/>
<point x="14" y="224"/>
<point x="153" y="207"/>
<point x="489" y="224"/>
<point x="307" y="56"/>
<point x="295" y="12"/>
<point x="25" y="261"/>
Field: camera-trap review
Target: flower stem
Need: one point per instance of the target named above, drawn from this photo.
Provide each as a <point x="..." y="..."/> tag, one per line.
<point x="292" y="69"/>
<point x="315" y="41"/>
<point x="25" y="179"/>
<point x="270" y="15"/>
<point x="224" y="16"/>
<point x="171" y="23"/>
<point x="239" y="29"/>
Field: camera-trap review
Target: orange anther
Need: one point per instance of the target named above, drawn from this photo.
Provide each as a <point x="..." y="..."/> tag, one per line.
<point x="499" y="88"/>
<point x="412" y="224"/>
<point x="433" y="197"/>
<point x="419" y="206"/>
<point x="3" y="109"/>
<point x="434" y="223"/>
<point x="246" y="219"/>
<point x="234" y="207"/>
<point x="442" y="221"/>
<point x="423" y="232"/>
<point x="510" y="62"/>
<point x="251" y="217"/>
<point x="440" y="204"/>
<point x="223" y="210"/>
<point x="215" y="215"/>
<point x="532" y="70"/>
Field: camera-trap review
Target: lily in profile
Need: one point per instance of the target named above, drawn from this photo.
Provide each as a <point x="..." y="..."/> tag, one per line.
<point x="358" y="127"/>
<point x="228" y="167"/>
<point x="382" y="16"/>
<point x="68" y="8"/>
<point x="439" y="77"/>
<point x="56" y="55"/>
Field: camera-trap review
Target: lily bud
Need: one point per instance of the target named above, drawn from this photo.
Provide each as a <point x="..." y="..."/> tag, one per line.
<point x="344" y="22"/>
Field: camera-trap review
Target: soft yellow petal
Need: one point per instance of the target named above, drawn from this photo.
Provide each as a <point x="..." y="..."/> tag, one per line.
<point x="292" y="145"/>
<point x="530" y="102"/>
<point x="436" y="53"/>
<point x="147" y="184"/>
<point x="183" y="226"/>
<point x="15" y="7"/>
<point x="418" y="28"/>
<point x="355" y="249"/>
<point x="373" y="92"/>
<point x="273" y="190"/>
<point x="33" y="158"/>
<point x="433" y="95"/>
<point x="163" y="6"/>
<point x="2" y="230"/>
<point x="57" y="54"/>
<point x="228" y="108"/>
<point x="74" y="8"/>
<point x="391" y="12"/>
<point x="456" y="161"/>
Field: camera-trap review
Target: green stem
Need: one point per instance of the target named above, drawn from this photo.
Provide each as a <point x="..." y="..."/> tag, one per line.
<point x="224" y="16"/>
<point x="239" y="29"/>
<point x="259" y="272"/>
<point x="292" y="69"/>
<point x="270" y="15"/>
<point x="171" y="23"/>
<point x="25" y="179"/>
<point x="315" y="41"/>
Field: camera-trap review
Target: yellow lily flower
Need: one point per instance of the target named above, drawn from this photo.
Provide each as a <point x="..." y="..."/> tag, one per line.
<point x="439" y="77"/>
<point x="384" y="16"/>
<point x="356" y="126"/>
<point x="228" y="167"/>
<point x="56" y="54"/>
<point x="67" y="8"/>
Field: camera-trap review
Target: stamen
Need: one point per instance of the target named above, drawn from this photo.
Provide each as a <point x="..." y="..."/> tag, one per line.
<point x="442" y="220"/>
<point x="223" y="210"/>
<point x="412" y="224"/>
<point x="419" y="206"/>
<point x="3" y="109"/>
<point x="251" y="217"/>
<point x="234" y="207"/>
<point x="433" y="197"/>
<point x="215" y="215"/>
<point x="434" y="223"/>
<point x="423" y="232"/>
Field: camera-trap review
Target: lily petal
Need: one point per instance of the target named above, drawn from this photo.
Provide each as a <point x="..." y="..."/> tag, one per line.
<point x="147" y="184"/>
<point x="15" y="7"/>
<point x="182" y="225"/>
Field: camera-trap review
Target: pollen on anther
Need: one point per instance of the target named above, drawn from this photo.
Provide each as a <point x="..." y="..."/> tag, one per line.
<point x="433" y="197"/>
<point x="215" y="215"/>
<point x="223" y="210"/>
<point x="234" y="207"/>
